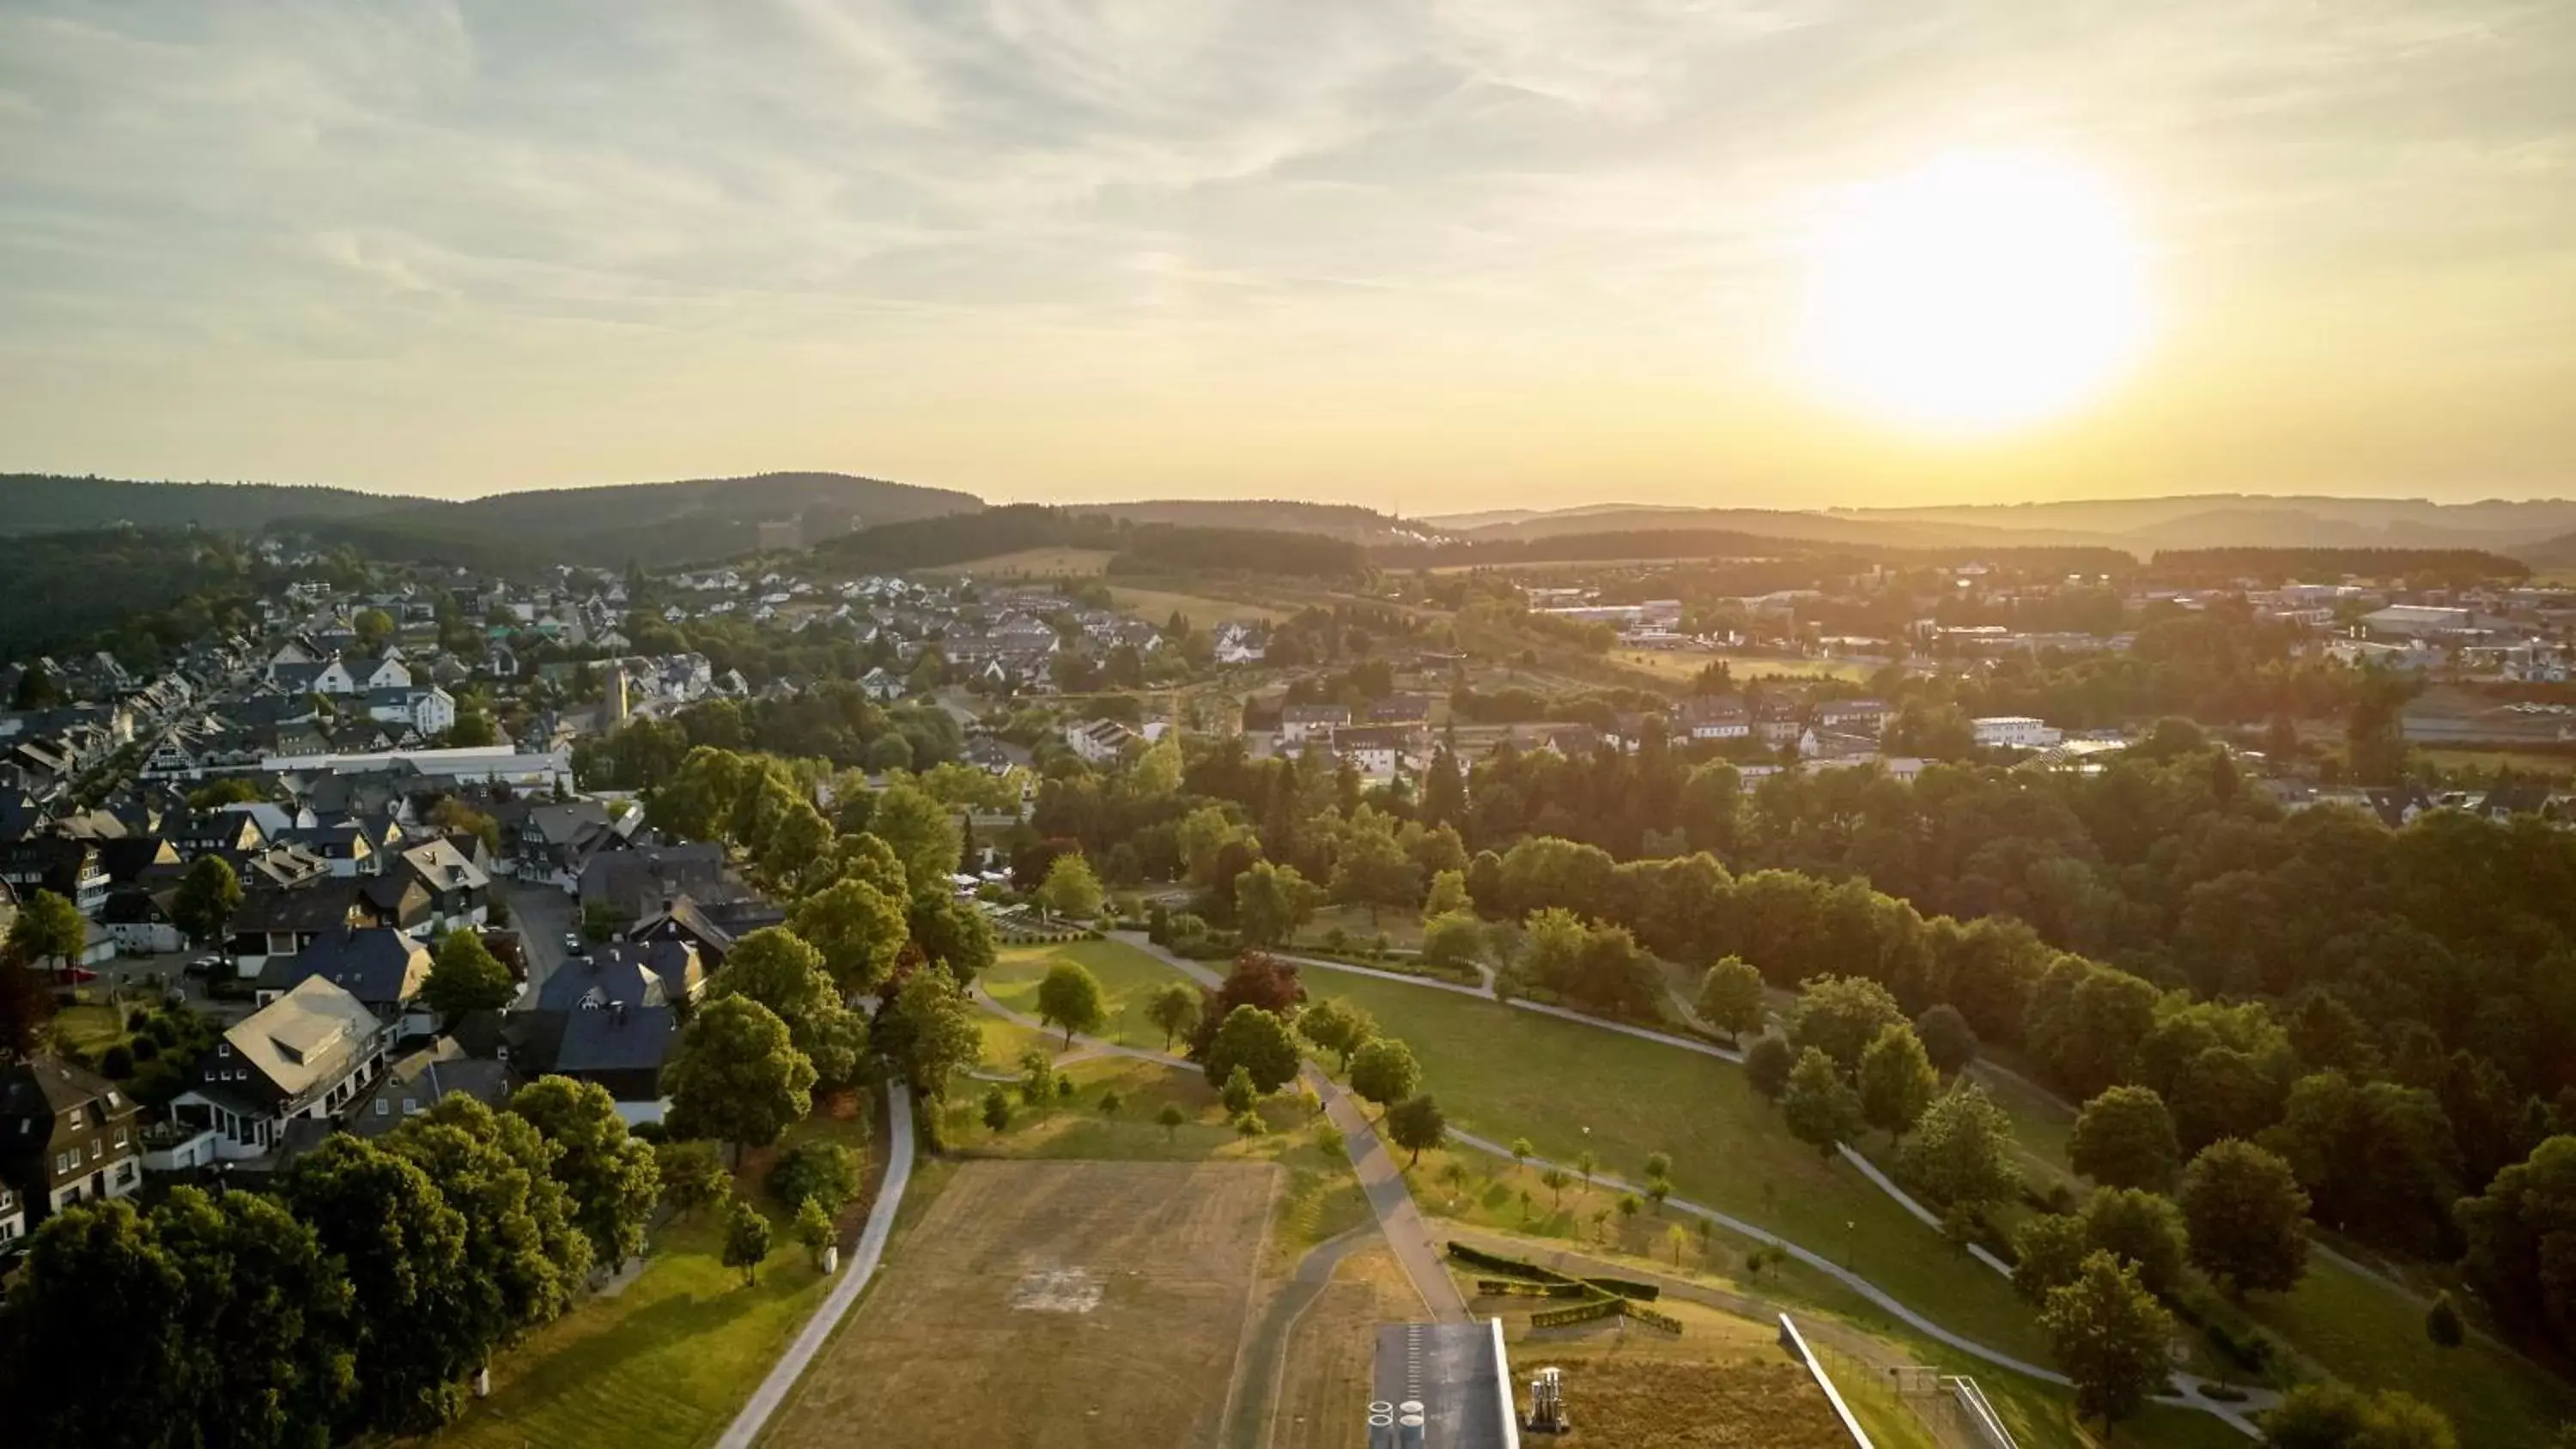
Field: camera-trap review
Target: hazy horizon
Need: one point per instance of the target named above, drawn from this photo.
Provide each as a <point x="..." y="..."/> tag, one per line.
<point x="1429" y="258"/>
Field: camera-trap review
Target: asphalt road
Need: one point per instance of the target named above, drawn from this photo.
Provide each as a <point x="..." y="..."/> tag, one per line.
<point x="541" y="914"/>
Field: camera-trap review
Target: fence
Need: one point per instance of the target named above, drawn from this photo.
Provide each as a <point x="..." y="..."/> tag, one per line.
<point x="1796" y="1342"/>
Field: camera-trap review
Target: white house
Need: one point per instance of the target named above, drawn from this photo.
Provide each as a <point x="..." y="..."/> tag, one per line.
<point x="2016" y="731"/>
<point x="881" y="684"/>
<point x="431" y="711"/>
<point x="1100" y="741"/>
<point x="1301" y="722"/>
<point x="386" y="673"/>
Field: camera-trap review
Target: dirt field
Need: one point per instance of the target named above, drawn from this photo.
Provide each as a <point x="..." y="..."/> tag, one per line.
<point x="1324" y="1382"/>
<point x="1639" y="1403"/>
<point x="1049" y="1304"/>
<point x="1040" y="563"/>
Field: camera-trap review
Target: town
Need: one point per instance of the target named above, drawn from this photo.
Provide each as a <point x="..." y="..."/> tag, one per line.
<point x="758" y="888"/>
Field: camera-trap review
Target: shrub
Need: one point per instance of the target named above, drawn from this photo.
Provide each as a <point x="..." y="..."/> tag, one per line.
<point x="824" y="1172"/>
<point x="117" y="1062"/>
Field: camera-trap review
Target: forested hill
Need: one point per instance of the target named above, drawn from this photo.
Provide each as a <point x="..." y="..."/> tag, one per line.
<point x="655" y="524"/>
<point x="930" y="543"/>
<point x="53" y="503"/>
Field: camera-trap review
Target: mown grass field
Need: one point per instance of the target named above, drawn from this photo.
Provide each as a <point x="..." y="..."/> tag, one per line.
<point x="1204" y="612"/>
<point x="672" y="1356"/>
<point x="1570" y="1088"/>
<point x="1685" y="664"/>
<point x="1127" y="978"/>
<point x="1040" y="563"/>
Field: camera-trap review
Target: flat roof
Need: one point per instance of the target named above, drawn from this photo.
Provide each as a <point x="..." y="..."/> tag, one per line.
<point x="1456" y="1371"/>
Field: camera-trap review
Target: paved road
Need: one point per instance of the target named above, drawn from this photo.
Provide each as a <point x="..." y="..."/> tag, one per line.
<point x="542" y="915"/>
<point x="1398" y="1216"/>
<point x="862" y="1265"/>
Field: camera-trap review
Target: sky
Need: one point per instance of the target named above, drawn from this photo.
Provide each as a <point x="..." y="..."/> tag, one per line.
<point x="1422" y="256"/>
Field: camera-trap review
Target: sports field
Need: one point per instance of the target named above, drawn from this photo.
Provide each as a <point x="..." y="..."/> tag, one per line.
<point x="1057" y="1303"/>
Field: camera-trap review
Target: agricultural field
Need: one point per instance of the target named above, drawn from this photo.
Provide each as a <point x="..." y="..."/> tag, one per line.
<point x="1041" y="563"/>
<point x="1682" y="665"/>
<point x="1204" y="612"/>
<point x="1072" y="1303"/>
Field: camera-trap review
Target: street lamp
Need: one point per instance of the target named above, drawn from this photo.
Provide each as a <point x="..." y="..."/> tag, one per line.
<point x="1850" y="1228"/>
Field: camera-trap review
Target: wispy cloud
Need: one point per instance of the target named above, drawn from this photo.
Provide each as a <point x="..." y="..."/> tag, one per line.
<point x="950" y="238"/>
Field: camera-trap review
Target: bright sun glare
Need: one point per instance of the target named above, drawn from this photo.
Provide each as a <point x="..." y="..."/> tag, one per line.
<point x="1977" y="293"/>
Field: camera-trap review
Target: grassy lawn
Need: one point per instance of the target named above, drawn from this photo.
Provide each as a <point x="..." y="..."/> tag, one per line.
<point x="1568" y="1087"/>
<point x="1156" y="605"/>
<point x="1040" y="563"/>
<point x="91" y="1029"/>
<point x="1685" y="664"/>
<point x="2370" y="1337"/>
<point x="1127" y="978"/>
<point x="1402" y="929"/>
<point x="670" y="1358"/>
<point x="668" y="1361"/>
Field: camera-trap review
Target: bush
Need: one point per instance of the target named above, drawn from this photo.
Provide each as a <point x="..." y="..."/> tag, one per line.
<point x="117" y="1062"/>
<point x="653" y="1133"/>
<point x="824" y="1172"/>
<point x="145" y="1048"/>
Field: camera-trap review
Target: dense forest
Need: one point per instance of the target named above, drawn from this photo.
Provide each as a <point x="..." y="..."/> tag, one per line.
<point x="141" y="594"/>
<point x="50" y="503"/>
<point x="1141" y="548"/>
<point x="2452" y="567"/>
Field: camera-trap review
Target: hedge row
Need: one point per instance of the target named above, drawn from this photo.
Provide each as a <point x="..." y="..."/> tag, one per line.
<point x="1523" y="1288"/>
<point x="1579" y="1313"/>
<point x="1497" y="1263"/>
<point x="1627" y="1288"/>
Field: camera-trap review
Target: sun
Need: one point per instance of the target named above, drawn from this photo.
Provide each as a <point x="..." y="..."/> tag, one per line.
<point x="1978" y="293"/>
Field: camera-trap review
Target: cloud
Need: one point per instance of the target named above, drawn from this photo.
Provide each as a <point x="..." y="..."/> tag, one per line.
<point x="923" y="208"/>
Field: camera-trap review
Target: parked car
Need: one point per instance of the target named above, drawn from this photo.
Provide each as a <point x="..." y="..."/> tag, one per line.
<point x="74" y="976"/>
<point x="574" y="945"/>
<point x="208" y="966"/>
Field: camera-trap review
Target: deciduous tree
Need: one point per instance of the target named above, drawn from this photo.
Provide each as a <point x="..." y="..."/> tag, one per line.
<point x="466" y="977"/>
<point x="207" y="897"/>
<point x="1338" y="1027"/>
<point x="746" y="1240"/>
<point x="1257" y="1041"/>
<point x="1730" y="998"/>
<point x="1069" y="997"/>
<point x="1820" y="1107"/>
<point x="2110" y="1336"/>
<point x="858" y="928"/>
<point x="737" y="1075"/>
<point x="1384" y="1072"/>
<point x="1896" y="1081"/>
<point x="1416" y="1125"/>
<point x="2125" y="1138"/>
<point x="1174" y="1008"/>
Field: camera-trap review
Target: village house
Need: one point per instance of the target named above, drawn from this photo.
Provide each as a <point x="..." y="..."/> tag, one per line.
<point x="66" y="1135"/>
<point x="304" y="1056"/>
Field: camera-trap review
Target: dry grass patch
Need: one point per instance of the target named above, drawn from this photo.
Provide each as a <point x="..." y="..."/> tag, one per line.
<point x="1326" y="1376"/>
<point x="1062" y="1303"/>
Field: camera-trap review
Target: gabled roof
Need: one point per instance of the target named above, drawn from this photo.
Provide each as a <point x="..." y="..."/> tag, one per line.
<point x="377" y="965"/>
<point x="611" y="973"/>
<point x="442" y="867"/>
<point x="44" y="1087"/>
<point x="616" y="1039"/>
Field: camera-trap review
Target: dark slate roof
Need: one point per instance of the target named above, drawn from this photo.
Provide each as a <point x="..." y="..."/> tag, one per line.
<point x="614" y="1039"/>
<point x="375" y="965"/>
<point x="50" y="1086"/>
<point x="125" y="860"/>
<point x="320" y="906"/>
<point x="613" y="972"/>
<point x="682" y="918"/>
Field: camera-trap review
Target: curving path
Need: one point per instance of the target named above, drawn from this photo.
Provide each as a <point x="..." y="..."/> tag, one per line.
<point x="773" y="1390"/>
